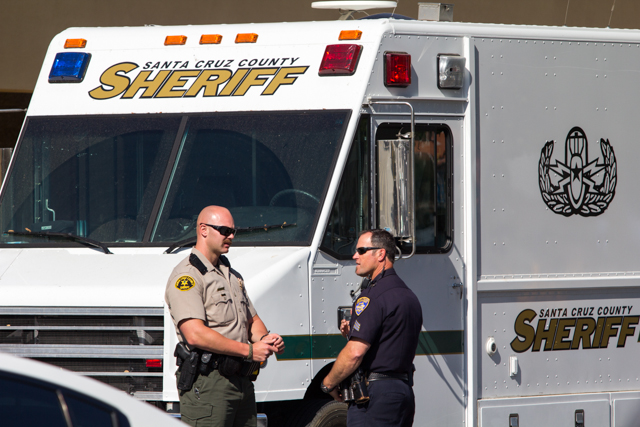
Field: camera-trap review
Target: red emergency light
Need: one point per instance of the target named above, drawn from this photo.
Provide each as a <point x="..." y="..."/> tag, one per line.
<point x="154" y="363"/>
<point x="397" y="69"/>
<point x="340" y="59"/>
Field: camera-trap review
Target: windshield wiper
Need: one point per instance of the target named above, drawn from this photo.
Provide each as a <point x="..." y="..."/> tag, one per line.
<point x="68" y="236"/>
<point x="192" y="240"/>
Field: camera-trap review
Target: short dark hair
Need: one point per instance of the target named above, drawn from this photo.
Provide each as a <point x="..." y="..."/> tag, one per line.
<point x="383" y="239"/>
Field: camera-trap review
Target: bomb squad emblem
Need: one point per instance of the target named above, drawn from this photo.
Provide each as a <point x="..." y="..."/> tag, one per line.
<point x="579" y="185"/>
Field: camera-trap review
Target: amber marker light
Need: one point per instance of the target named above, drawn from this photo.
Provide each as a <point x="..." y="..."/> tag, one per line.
<point x="350" y="35"/>
<point x="246" y="38"/>
<point x="175" y="40"/>
<point x="75" y="43"/>
<point x="210" y="39"/>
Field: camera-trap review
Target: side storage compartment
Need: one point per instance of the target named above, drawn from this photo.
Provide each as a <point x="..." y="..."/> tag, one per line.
<point x="571" y="410"/>
<point x="626" y="409"/>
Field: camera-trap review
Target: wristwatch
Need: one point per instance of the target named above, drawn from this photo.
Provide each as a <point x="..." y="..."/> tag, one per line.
<point x="326" y="389"/>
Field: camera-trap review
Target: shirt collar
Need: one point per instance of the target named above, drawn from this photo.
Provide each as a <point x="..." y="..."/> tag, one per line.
<point x="205" y="261"/>
<point x="384" y="273"/>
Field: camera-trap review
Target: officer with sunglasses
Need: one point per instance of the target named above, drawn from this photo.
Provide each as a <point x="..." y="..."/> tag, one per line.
<point x="386" y="319"/>
<point x="213" y="314"/>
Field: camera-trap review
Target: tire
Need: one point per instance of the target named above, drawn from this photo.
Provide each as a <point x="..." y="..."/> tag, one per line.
<point x="318" y="413"/>
<point x="331" y="414"/>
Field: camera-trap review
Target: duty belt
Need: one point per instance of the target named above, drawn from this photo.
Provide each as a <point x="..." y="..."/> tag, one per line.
<point x="376" y="376"/>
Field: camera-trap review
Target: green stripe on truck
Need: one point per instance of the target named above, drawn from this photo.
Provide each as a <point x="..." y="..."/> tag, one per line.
<point x="298" y="347"/>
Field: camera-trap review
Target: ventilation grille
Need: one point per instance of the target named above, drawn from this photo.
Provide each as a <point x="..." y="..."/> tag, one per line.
<point x="110" y="345"/>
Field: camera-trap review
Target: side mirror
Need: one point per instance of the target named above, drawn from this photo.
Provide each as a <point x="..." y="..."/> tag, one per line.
<point x="395" y="187"/>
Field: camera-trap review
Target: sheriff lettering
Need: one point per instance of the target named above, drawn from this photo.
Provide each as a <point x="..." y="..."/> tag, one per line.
<point x="573" y="328"/>
<point x="178" y="79"/>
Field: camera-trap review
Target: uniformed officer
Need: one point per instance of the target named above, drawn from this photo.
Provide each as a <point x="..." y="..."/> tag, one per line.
<point x="383" y="336"/>
<point x="212" y="312"/>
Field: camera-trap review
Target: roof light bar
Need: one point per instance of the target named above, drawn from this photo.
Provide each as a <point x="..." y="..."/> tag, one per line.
<point x="175" y="40"/>
<point x="210" y="39"/>
<point x="350" y="35"/>
<point x="75" y="43"/>
<point x="246" y="38"/>
<point x="397" y="69"/>
<point x="69" y="67"/>
<point x="340" y="59"/>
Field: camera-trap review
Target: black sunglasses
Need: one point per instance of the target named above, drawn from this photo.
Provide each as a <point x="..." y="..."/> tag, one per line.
<point x="363" y="250"/>
<point x="223" y="229"/>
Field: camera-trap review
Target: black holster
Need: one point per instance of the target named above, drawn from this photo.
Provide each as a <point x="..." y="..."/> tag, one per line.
<point x="188" y="362"/>
<point x="354" y="388"/>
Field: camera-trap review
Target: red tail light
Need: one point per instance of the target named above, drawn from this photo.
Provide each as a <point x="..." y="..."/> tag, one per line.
<point x="397" y="69"/>
<point x="154" y="363"/>
<point x="340" y="59"/>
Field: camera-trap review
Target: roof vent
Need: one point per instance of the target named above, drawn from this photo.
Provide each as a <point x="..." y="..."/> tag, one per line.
<point x="348" y="7"/>
<point x="435" y="12"/>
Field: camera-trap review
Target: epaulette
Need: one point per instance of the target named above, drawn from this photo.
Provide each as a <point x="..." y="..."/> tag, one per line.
<point x="195" y="261"/>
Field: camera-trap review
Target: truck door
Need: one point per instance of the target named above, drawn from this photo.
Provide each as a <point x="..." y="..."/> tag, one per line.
<point x="433" y="272"/>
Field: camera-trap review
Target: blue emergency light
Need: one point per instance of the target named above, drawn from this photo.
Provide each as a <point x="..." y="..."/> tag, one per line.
<point x="69" y="67"/>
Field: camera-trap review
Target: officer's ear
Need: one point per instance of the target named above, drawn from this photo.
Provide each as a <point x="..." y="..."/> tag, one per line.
<point x="384" y="255"/>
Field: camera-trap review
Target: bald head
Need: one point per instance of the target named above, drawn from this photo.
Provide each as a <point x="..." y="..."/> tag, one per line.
<point x="209" y="241"/>
<point x="213" y="215"/>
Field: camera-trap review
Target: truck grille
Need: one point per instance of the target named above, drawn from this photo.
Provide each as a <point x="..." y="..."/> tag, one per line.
<point x="108" y="344"/>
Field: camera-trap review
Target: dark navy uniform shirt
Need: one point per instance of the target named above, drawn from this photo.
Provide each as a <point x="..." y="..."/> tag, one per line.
<point x="387" y="315"/>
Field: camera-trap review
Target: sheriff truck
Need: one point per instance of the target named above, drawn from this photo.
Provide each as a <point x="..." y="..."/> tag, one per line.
<point x="492" y="153"/>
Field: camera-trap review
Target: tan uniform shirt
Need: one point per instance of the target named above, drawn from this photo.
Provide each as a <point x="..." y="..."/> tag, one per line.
<point x="217" y="297"/>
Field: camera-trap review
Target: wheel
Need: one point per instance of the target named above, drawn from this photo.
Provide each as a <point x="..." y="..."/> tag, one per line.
<point x="319" y="413"/>
<point x="291" y="191"/>
<point x="332" y="414"/>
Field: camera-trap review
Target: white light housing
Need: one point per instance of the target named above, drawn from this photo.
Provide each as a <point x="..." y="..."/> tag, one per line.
<point x="491" y="347"/>
<point x="513" y="366"/>
<point x="450" y="71"/>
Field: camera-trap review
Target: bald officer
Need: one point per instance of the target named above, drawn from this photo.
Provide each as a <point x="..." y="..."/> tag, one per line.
<point x="383" y="336"/>
<point x="212" y="312"/>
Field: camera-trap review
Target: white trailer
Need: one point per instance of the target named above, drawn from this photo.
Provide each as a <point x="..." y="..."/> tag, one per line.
<point x="491" y="151"/>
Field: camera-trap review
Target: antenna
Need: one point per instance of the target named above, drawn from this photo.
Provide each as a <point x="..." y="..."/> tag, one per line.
<point x="348" y="7"/>
<point x="611" y="16"/>
<point x="566" y="13"/>
<point x="393" y="12"/>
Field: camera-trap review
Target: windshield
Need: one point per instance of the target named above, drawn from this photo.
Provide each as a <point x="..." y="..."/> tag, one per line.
<point x="144" y="179"/>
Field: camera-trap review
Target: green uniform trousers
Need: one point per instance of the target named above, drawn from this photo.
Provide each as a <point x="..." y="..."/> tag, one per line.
<point x="218" y="401"/>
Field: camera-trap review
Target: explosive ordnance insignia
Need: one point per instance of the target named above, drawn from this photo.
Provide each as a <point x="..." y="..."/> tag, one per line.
<point x="583" y="187"/>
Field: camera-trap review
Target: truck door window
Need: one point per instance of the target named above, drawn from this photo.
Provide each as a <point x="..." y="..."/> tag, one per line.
<point x="432" y="185"/>
<point x="350" y="211"/>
